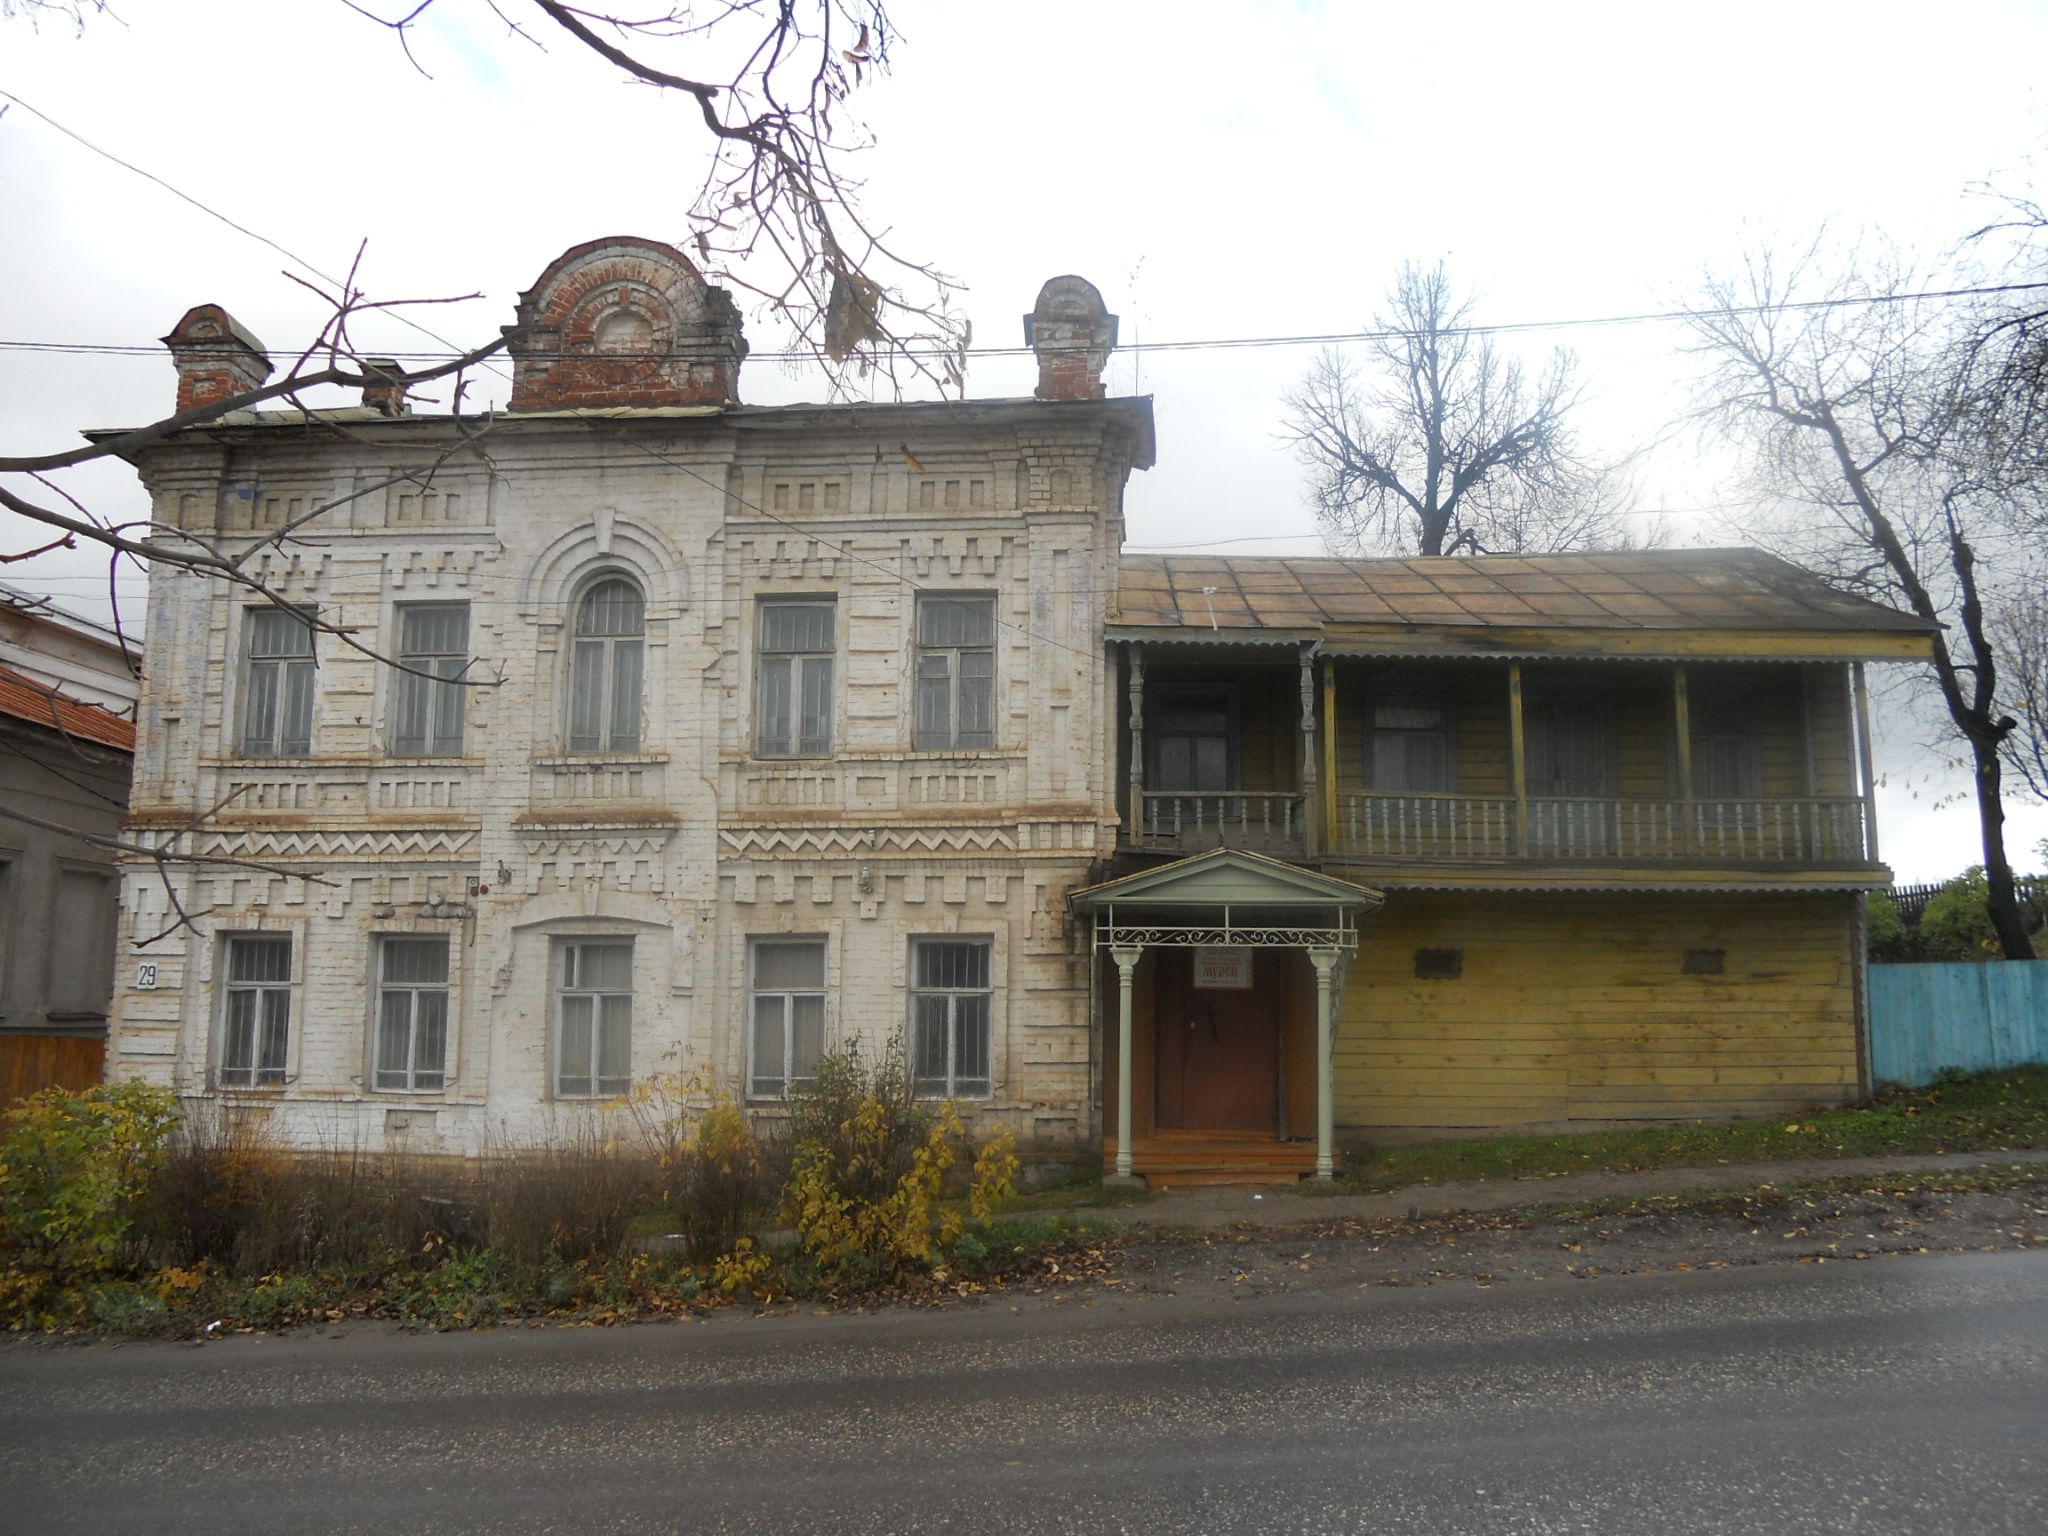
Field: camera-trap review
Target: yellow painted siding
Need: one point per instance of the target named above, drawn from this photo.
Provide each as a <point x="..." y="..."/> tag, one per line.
<point x="1575" y="1008"/>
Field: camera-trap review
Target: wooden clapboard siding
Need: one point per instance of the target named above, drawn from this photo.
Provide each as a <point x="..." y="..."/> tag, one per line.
<point x="31" y="1063"/>
<point x="1575" y="1008"/>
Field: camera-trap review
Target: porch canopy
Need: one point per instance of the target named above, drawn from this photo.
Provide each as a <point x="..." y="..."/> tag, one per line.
<point x="1228" y="898"/>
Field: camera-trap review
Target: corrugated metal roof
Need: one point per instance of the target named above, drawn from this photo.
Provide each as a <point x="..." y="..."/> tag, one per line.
<point x="25" y="699"/>
<point x="1725" y="590"/>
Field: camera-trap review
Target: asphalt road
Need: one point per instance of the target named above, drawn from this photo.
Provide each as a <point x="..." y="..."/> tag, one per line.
<point x="1905" y="1395"/>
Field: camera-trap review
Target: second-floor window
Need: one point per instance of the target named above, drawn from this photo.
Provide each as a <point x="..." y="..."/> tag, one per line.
<point x="794" y="710"/>
<point x="1569" y="751"/>
<point x="1727" y="737"/>
<point x="1409" y="744"/>
<point x="956" y="673"/>
<point x="277" y="684"/>
<point x="427" y="699"/>
<point x="605" y="668"/>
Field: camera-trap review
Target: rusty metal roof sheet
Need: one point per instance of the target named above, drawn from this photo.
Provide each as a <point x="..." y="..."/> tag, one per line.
<point x="24" y="698"/>
<point x="1255" y="597"/>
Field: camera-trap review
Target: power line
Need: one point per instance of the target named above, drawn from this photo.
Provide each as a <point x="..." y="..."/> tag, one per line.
<point x="214" y="213"/>
<point x="1207" y="344"/>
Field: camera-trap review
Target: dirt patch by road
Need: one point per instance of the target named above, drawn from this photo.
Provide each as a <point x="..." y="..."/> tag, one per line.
<point x="1855" y="1221"/>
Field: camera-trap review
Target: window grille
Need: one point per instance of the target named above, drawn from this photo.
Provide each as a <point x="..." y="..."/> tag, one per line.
<point x="949" y="1018"/>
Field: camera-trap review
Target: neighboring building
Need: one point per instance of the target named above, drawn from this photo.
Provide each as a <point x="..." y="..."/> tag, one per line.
<point x="803" y="725"/>
<point x="65" y="757"/>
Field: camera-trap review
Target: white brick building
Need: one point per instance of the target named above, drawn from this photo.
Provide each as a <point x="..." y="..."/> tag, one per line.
<point x="797" y="730"/>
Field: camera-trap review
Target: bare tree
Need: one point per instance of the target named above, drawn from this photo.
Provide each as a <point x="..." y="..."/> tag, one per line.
<point x="1442" y="445"/>
<point x="765" y="86"/>
<point x="777" y="213"/>
<point x="2019" y="636"/>
<point x="1845" y="393"/>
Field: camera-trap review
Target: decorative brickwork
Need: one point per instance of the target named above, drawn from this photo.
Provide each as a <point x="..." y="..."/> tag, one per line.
<point x="624" y="322"/>
<point x="1073" y="333"/>
<point x="215" y="357"/>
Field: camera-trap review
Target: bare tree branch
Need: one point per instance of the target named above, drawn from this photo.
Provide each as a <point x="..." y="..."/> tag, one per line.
<point x="1443" y="445"/>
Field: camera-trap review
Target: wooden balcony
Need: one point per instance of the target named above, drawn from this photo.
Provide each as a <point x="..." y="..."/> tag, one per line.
<point x="1456" y="829"/>
<point x="1186" y="821"/>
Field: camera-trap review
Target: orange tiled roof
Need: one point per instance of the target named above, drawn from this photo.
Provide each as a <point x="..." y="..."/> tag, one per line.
<point x="1691" y="589"/>
<point x="26" y="699"/>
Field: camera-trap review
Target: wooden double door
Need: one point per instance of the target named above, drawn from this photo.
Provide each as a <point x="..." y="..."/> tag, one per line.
<point x="1218" y="1056"/>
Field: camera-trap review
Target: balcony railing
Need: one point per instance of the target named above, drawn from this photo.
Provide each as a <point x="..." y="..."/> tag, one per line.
<point x="1187" y="821"/>
<point x="1459" y="828"/>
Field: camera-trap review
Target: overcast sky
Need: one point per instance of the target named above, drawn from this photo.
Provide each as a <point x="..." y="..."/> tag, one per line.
<point x="1220" y="172"/>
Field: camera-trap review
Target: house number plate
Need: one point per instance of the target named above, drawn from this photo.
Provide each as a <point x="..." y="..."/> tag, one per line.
<point x="1223" y="970"/>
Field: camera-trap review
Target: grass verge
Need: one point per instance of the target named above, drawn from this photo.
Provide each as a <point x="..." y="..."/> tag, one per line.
<point x="2002" y="1111"/>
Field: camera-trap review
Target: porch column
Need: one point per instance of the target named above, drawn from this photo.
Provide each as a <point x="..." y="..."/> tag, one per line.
<point x="1325" y="962"/>
<point x="1681" y="727"/>
<point x="1312" y="842"/>
<point x="1518" y="760"/>
<point x="1864" y="762"/>
<point x="1126" y="957"/>
<point x="1137" y="699"/>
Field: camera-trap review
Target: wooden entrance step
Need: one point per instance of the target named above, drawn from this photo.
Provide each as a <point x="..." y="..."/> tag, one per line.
<point x="1190" y="1159"/>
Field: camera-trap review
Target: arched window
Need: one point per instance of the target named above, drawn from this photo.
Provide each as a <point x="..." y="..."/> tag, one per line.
<point x="605" y="667"/>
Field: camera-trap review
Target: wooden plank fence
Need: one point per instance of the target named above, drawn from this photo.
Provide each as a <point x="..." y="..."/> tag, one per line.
<point x="1925" y="1019"/>
<point x="29" y="1063"/>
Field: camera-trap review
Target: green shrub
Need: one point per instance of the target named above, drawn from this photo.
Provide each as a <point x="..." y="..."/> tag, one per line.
<point x="868" y="1172"/>
<point x="712" y="1178"/>
<point x="1957" y="922"/>
<point x="73" y="1167"/>
<point x="1885" y="931"/>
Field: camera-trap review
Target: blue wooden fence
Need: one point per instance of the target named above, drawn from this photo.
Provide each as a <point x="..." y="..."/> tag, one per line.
<point x="1924" y="1018"/>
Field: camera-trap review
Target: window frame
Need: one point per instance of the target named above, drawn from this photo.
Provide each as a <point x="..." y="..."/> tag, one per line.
<point x="1595" y="704"/>
<point x="384" y="987"/>
<point x="288" y="666"/>
<point x="608" y="740"/>
<point x="101" y="946"/>
<point x="260" y="1078"/>
<point x="921" y="653"/>
<point x="564" y="985"/>
<point x="800" y="664"/>
<point x="788" y="1081"/>
<point x="1727" y="708"/>
<point x="1159" y="702"/>
<point x="433" y="697"/>
<point x="1418" y="690"/>
<point x="952" y="997"/>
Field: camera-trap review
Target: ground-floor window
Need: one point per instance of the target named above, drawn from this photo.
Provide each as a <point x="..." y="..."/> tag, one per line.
<point x="412" y="1013"/>
<point x="256" y="1026"/>
<point x="593" y="1017"/>
<point x="787" y="1000"/>
<point x="949" y="1018"/>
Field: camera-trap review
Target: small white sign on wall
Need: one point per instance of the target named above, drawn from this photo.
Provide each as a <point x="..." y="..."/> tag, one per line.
<point x="1223" y="970"/>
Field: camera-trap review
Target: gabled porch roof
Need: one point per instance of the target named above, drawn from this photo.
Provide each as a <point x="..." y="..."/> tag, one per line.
<point x="1228" y="876"/>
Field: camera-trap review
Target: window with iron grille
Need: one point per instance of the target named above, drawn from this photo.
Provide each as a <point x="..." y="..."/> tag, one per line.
<point x="949" y="1018"/>
<point x="786" y="1033"/>
<point x="593" y="1017"/>
<point x="956" y="673"/>
<point x="794" y="709"/>
<point x="277" y="684"/>
<point x="257" y="1011"/>
<point x="427" y="696"/>
<point x="604" y="668"/>
<point x="412" y="1014"/>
